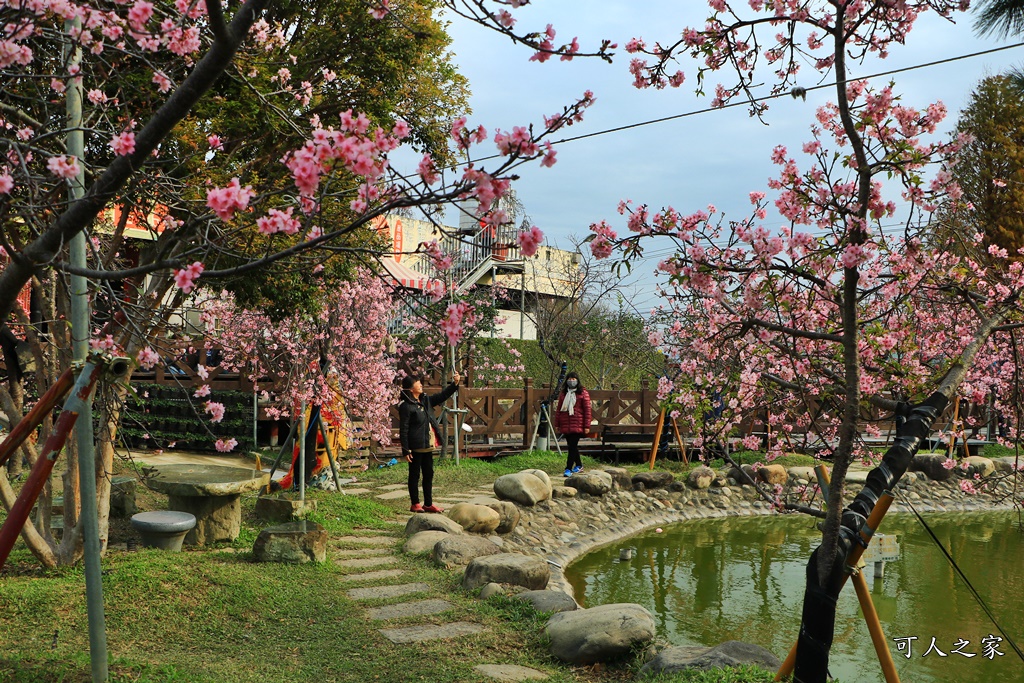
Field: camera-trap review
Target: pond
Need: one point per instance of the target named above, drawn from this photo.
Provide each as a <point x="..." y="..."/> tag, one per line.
<point x="743" y="579"/>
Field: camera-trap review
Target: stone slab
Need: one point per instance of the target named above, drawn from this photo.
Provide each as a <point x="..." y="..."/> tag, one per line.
<point x="416" y="634"/>
<point x="393" y="495"/>
<point x="394" y="487"/>
<point x="362" y="552"/>
<point x="354" y="492"/>
<point x="419" y="608"/>
<point x="364" y="562"/>
<point x="379" y="592"/>
<point x="366" y="540"/>
<point x="510" y="673"/>
<point x="374" y="576"/>
<point x="206" y="480"/>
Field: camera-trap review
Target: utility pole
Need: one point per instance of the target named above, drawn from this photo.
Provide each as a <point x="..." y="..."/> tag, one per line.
<point x="80" y="330"/>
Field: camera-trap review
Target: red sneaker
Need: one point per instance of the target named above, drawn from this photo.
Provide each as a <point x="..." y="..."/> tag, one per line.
<point x="433" y="508"/>
<point x="416" y="508"/>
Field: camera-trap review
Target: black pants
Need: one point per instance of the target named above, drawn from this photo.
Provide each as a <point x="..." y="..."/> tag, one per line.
<point x="573" y="442"/>
<point x="422" y="462"/>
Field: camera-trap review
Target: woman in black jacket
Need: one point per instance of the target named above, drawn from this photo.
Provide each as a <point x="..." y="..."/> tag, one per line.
<point x="420" y="436"/>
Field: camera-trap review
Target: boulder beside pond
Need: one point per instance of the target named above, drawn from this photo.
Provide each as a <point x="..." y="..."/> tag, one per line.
<point x="523" y="488"/>
<point x="591" y="482"/>
<point x="731" y="653"/>
<point x="517" y="569"/>
<point x="476" y="519"/>
<point x="655" y="479"/>
<point x="931" y="465"/>
<point x="430" y="521"/>
<point x="599" y="634"/>
<point x="462" y="549"/>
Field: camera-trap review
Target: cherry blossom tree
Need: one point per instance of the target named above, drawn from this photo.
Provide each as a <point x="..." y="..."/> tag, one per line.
<point x="341" y="353"/>
<point x="835" y="311"/>
<point x="133" y="72"/>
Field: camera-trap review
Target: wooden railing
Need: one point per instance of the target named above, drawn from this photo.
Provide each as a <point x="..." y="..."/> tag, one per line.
<point x="510" y="414"/>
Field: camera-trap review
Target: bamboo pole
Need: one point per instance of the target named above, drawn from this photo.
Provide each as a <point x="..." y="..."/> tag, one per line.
<point x="860" y="585"/>
<point x="657" y="436"/>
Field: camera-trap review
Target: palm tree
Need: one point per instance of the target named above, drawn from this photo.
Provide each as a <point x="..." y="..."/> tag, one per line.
<point x="1001" y="18"/>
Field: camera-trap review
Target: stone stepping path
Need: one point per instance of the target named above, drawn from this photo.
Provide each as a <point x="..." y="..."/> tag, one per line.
<point x="374" y="576"/>
<point x="362" y="552"/>
<point x="393" y="495"/>
<point x="418" y="608"/>
<point x="367" y="562"/>
<point x="367" y="540"/>
<point x="394" y="487"/>
<point x="416" y="634"/>
<point x="378" y="592"/>
<point x="510" y="673"/>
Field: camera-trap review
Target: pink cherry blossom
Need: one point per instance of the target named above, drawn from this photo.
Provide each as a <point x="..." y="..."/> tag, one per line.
<point x="226" y="446"/>
<point x="530" y="240"/>
<point x="225" y="201"/>
<point x="185" y="278"/>
<point x="216" y="411"/>
<point x="63" y="166"/>
<point x="147" y="358"/>
<point x="123" y="144"/>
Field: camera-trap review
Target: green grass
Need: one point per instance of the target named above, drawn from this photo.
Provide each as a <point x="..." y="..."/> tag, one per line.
<point x="213" y="615"/>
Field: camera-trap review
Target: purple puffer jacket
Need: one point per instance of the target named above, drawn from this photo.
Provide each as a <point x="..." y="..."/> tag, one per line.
<point x="579" y="421"/>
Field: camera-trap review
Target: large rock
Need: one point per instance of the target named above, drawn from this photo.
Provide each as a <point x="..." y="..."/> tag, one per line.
<point x="522" y="487"/>
<point x="700" y="477"/>
<point x="549" y="601"/>
<point x="543" y="476"/>
<point x="424" y="541"/>
<point x="731" y="653"/>
<point x="656" y="479"/>
<point x="283" y="507"/>
<point x="507" y="512"/>
<point x="563" y="492"/>
<point x="295" y="542"/>
<point x="620" y="477"/>
<point x="802" y="472"/>
<point x="461" y="550"/>
<point x="592" y="482"/>
<point x="477" y="519"/>
<point x="122" y="497"/>
<point x="774" y="475"/>
<point x="599" y="634"/>
<point x="977" y="464"/>
<point x="528" y="571"/>
<point x="1006" y="464"/>
<point x="741" y="474"/>
<point x="431" y="522"/>
<point x="930" y="465"/>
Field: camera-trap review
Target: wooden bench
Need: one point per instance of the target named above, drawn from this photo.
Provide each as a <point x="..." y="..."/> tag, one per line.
<point x="627" y="433"/>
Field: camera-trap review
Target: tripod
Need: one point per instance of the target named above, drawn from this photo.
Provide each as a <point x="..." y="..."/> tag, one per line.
<point x="545" y="417"/>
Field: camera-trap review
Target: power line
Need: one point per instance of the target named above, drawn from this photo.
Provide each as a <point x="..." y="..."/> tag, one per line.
<point x="778" y="95"/>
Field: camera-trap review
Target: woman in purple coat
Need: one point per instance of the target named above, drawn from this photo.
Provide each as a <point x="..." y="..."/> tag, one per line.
<point x="572" y="419"/>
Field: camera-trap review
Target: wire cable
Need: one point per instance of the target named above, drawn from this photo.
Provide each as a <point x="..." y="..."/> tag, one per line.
<point x="766" y="98"/>
<point x="960" y="573"/>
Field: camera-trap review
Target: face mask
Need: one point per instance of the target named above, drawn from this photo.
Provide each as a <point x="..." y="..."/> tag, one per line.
<point x="572" y="384"/>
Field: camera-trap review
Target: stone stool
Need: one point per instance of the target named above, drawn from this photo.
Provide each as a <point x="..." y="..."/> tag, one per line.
<point x="164" y="529"/>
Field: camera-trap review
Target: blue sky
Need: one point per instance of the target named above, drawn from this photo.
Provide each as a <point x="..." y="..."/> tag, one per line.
<point x="713" y="158"/>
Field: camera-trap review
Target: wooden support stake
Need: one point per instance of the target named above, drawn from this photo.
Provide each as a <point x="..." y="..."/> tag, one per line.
<point x="657" y="437"/>
<point x="679" y="440"/>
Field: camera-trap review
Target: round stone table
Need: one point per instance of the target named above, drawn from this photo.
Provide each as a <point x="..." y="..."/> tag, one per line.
<point x="210" y="492"/>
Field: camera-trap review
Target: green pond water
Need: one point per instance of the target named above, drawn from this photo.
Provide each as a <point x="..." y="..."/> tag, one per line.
<point x="710" y="581"/>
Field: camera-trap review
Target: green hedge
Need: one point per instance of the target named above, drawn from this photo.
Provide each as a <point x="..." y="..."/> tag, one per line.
<point x="159" y="415"/>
